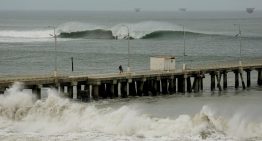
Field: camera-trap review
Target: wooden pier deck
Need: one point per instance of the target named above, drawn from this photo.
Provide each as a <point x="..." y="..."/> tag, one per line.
<point x="138" y="83"/>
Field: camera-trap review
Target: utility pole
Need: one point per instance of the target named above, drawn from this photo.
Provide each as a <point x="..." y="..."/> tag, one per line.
<point x="239" y="35"/>
<point x="72" y="62"/>
<point x="184" y="54"/>
<point x="55" y="37"/>
<point x="128" y="50"/>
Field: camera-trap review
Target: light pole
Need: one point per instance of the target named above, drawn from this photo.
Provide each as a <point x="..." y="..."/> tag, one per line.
<point x="240" y="43"/>
<point x="128" y="50"/>
<point x="55" y="37"/>
<point x="184" y="54"/>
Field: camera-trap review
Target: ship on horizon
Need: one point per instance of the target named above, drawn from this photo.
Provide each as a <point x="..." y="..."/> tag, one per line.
<point x="183" y="9"/>
<point x="250" y="10"/>
<point x="137" y="9"/>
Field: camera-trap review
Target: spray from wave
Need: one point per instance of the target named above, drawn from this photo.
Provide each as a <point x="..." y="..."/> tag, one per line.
<point x="21" y="115"/>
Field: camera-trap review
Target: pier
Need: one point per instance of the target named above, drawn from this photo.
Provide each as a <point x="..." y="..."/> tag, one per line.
<point x="146" y="83"/>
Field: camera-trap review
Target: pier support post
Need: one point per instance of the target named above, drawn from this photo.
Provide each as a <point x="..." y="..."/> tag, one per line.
<point x="153" y="86"/>
<point x="78" y="91"/>
<point x="248" y="78"/>
<point x="157" y="87"/>
<point x="236" y="78"/>
<point x="110" y="90"/>
<point x="36" y="89"/>
<point x="172" y="85"/>
<point x="145" y="88"/>
<point x="74" y="85"/>
<point x="124" y="89"/>
<point x="218" y="76"/>
<point x="102" y="91"/>
<point x="181" y="84"/>
<point x="2" y="90"/>
<point x="189" y="88"/>
<point x="140" y="86"/>
<point x="62" y="88"/>
<point x="224" y="80"/>
<point x="95" y="90"/>
<point x="164" y="83"/>
<point x="259" y="77"/>
<point x="241" y="77"/>
<point x="70" y="90"/>
<point x="131" y="87"/>
<point x="85" y="93"/>
<point x="201" y="84"/>
<point x="115" y="88"/>
<point x="196" y="84"/>
<point x="213" y="81"/>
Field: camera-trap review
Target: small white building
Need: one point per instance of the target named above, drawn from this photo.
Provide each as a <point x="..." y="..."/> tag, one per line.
<point x="162" y="63"/>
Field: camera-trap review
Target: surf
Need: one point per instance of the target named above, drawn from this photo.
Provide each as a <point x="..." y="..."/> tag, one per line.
<point x="142" y="30"/>
<point x="22" y="114"/>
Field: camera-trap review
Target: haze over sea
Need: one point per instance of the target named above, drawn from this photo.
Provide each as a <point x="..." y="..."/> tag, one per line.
<point x="26" y="48"/>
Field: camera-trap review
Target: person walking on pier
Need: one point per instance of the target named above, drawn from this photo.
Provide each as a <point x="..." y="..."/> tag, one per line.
<point x="120" y="69"/>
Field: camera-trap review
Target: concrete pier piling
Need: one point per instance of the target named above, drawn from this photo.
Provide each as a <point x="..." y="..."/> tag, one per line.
<point x="102" y="91"/>
<point x="224" y="80"/>
<point x="181" y="84"/>
<point x="95" y="91"/>
<point x="140" y="87"/>
<point x="248" y="77"/>
<point x="242" y="80"/>
<point x="70" y="89"/>
<point x="218" y="76"/>
<point x="164" y="85"/>
<point x="259" y="77"/>
<point x="236" y="78"/>
<point x="213" y="80"/>
<point x="172" y="85"/>
<point x="124" y="89"/>
<point x="196" y="84"/>
<point x="189" y="87"/>
<point x="132" y="88"/>
<point x="36" y="89"/>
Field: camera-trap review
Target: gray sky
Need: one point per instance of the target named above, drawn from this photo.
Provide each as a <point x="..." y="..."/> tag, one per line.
<point x="157" y="5"/>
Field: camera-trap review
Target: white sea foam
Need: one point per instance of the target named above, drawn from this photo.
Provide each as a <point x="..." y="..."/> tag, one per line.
<point x="139" y="30"/>
<point x="57" y="118"/>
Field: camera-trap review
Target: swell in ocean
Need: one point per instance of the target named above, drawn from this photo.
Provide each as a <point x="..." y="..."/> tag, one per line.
<point x="56" y="118"/>
<point x="142" y="30"/>
<point x="107" y="34"/>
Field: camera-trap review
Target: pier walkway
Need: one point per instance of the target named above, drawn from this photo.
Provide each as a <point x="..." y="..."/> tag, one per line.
<point x="141" y="83"/>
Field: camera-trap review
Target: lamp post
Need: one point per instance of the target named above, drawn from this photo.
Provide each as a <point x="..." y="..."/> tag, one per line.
<point x="55" y="37"/>
<point x="128" y="50"/>
<point x="240" y="43"/>
<point x="184" y="53"/>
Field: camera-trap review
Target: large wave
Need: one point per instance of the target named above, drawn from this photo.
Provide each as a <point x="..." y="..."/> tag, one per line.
<point x="141" y="30"/>
<point x="56" y="117"/>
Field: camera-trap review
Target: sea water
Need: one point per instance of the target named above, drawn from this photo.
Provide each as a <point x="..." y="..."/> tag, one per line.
<point x="26" y="48"/>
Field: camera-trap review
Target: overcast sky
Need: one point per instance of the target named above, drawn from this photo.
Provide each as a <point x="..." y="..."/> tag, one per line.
<point x="152" y="5"/>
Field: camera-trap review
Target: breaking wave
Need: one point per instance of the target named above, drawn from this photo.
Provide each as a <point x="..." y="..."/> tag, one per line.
<point x="90" y="34"/>
<point x="107" y="34"/>
<point x="57" y="117"/>
<point x="142" y="30"/>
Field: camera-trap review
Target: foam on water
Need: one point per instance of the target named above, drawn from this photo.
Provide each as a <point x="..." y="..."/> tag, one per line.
<point x="57" y="118"/>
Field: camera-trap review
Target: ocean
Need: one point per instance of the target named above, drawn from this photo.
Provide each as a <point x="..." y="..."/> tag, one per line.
<point x="98" y="43"/>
